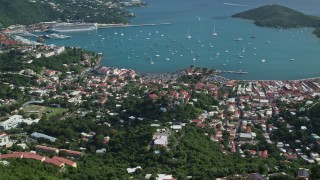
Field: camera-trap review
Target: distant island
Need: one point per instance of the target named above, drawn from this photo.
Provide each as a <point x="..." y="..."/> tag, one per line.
<point x="277" y="16"/>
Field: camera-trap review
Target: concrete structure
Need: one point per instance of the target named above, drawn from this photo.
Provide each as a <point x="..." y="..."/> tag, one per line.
<point x="14" y="121"/>
<point x="4" y="139"/>
<point x="40" y="135"/>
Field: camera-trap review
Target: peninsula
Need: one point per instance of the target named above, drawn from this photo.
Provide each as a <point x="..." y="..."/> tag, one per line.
<point x="277" y="16"/>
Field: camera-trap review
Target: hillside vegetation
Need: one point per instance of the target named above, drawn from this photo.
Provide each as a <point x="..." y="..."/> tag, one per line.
<point x="29" y="12"/>
<point x="277" y="16"/>
<point x="24" y="12"/>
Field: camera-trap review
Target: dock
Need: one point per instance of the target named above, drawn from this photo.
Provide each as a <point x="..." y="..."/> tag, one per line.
<point x="234" y="72"/>
<point x="129" y="25"/>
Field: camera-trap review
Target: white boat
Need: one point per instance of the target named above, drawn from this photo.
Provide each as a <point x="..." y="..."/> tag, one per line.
<point x="157" y="55"/>
<point x="58" y="36"/>
<point x="238" y="39"/>
<point x="188" y="36"/>
<point x="122" y="33"/>
<point x="167" y="59"/>
<point x="214" y="31"/>
<point x="151" y="62"/>
<point x="263" y="60"/>
<point x="292" y="59"/>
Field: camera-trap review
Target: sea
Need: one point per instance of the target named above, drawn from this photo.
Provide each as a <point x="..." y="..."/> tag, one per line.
<point x="202" y="33"/>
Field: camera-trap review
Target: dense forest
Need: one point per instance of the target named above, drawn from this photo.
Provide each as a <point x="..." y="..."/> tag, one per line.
<point x="277" y="16"/>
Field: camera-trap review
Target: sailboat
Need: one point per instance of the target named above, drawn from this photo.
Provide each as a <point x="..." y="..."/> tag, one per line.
<point x="151" y="62"/>
<point x="214" y="31"/>
<point x="188" y="36"/>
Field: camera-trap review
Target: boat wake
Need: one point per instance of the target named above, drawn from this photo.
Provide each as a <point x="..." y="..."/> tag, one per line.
<point x="232" y="4"/>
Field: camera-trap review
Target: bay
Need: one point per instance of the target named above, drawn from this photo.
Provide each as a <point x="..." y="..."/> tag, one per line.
<point x="274" y="54"/>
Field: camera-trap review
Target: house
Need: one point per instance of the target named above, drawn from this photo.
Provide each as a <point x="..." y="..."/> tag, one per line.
<point x="71" y="153"/>
<point x="27" y="155"/>
<point x="132" y="170"/>
<point x="4" y="139"/>
<point x="65" y="161"/>
<point x="46" y="149"/>
<point x="40" y="135"/>
<point x="14" y="121"/>
<point x="255" y="176"/>
<point x="12" y="155"/>
<point x="54" y="162"/>
<point x="245" y="136"/>
<point x="165" y="177"/>
<point x="101" y="151"/>
<point x="303" y="173"/>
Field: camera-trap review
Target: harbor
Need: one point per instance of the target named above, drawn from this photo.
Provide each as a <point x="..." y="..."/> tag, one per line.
<point x="164" y="41"/>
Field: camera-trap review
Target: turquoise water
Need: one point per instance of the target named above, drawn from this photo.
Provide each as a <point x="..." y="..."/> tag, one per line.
<point x="273" y="54"/>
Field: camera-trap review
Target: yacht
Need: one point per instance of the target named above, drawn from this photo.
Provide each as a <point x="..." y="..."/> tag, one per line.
<point x="238" y="39"/>
<point x="263" y="60"/>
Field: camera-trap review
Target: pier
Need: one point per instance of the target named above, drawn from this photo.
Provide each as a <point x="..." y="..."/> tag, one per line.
<point x="233" y="72"/>
<point x="129" y="25"/>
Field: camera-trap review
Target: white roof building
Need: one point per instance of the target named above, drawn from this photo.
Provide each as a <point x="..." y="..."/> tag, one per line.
<point x="15" y="120"/>
<point x="161" y="140"/>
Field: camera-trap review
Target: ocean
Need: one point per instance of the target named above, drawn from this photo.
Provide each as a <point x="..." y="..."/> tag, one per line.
<point x="265" y="53"/>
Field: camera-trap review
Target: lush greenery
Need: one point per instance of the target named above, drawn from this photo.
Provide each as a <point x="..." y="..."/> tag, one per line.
<point x="28" y="170"/>
<point x="24" y="12"/>
<point x="280" y="17"/>
<point x="27" y="12"/>
<point x="15" y="61"/>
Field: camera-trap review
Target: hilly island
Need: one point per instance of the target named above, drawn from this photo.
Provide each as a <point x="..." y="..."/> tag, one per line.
<point x="68" y="113"/>
<point x="277" y="16"/>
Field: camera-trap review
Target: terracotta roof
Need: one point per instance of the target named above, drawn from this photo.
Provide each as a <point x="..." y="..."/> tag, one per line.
<point x="46" y="148"/>
<point x="54" y="162"/>
<point x="12" y="155"/>
<point x="65" y="161"/>
<point x="33" y="156"/>
<point x="71" y="152"/>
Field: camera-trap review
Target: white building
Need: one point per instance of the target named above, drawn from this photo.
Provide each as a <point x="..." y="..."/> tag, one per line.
<point x="161" y="140"/>
<point x="15" y="120"/>
<point x="59" y="50"/>
<point x="4" y="139"/>
<point x="49" y="54"/>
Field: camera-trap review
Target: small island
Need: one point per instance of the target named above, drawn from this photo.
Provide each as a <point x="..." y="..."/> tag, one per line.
<point x="277" y="16"/>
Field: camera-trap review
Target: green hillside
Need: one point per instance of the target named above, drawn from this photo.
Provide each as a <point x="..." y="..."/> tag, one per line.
<point x="24" y="12"/>
<point x="280" y="17"/>
<point x="33" y="11"/>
